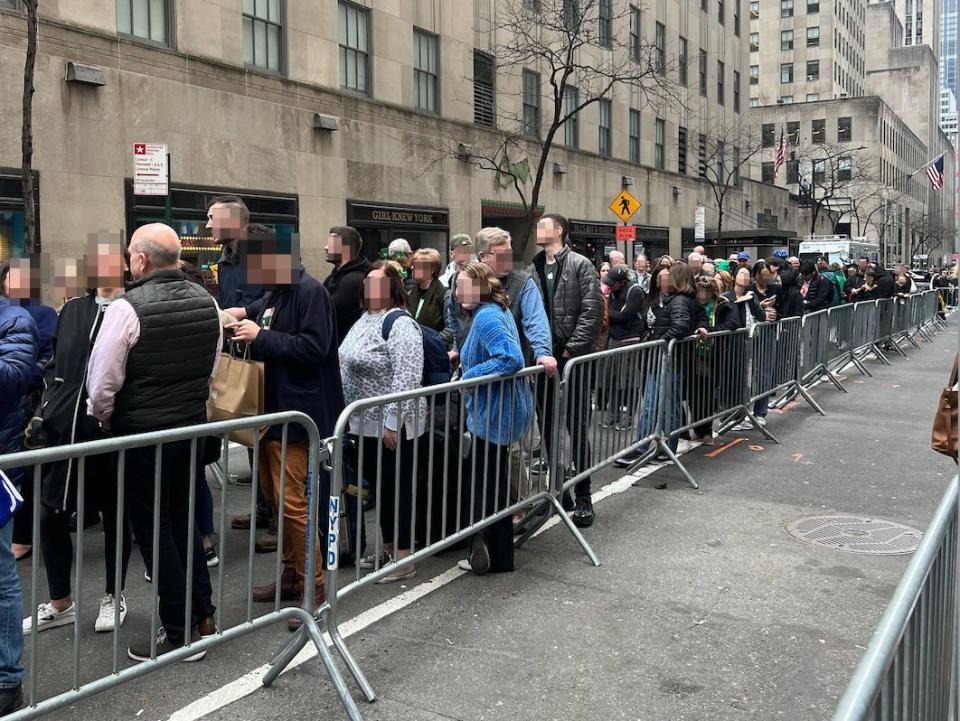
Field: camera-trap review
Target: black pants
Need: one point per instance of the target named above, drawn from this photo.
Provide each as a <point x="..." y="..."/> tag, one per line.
<point x="100" y="495"/>
<point x="395" y="495"/>
<point x="174" y="524"/>
<point x="485" y="472"/>
<point x="23" y="521"/>
<point x="578" y="411"/>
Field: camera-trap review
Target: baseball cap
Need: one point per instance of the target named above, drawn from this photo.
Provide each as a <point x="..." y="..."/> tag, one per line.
<point x="617" y="274"/>
<point x="743" y="255"/>
<point x="780" y="253"/>
<point x="461" y="240"/>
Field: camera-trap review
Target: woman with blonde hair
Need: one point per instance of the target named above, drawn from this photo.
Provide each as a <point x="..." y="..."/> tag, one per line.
<point x="497" y="414"/>
<point x="425" y="299"/>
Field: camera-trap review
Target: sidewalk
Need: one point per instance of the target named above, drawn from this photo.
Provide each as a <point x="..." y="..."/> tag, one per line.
<point x="704" y="607"/>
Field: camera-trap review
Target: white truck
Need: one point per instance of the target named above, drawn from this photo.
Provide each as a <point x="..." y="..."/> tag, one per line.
<point x="838" y="248"/>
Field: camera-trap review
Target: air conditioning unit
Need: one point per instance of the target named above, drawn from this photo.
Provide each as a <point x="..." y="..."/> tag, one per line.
<point x="813" y="77"/>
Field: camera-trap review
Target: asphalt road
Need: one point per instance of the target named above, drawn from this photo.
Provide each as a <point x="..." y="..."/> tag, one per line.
<point x="704" y="607"/>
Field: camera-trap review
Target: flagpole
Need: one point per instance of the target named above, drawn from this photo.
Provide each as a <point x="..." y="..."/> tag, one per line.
<point x="925" y="165"/>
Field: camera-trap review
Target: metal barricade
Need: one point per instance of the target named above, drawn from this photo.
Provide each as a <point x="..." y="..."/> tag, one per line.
<point x="886" y="308"/>
<point x="156" y="478"/>
<point x="840" y="337"/>
<point x="434" y="467"/>
<point x="815" y="350"/>
<point x="905" y="320"/>
<point x="909" y="670"/>
<point x="774" y="364"/>
<point x="866" y="316"/>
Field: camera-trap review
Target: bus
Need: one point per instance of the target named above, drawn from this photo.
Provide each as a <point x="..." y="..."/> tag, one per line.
<point x="838" y="249"/>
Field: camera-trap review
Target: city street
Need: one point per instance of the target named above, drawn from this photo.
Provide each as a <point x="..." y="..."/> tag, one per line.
<point x="704" y="607"/>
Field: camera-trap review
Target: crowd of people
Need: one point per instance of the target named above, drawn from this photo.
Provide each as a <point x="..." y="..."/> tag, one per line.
<point x="138" y="351"/>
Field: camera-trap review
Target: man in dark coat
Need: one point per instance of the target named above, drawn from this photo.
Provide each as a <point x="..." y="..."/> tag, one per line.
<point x="816" y="290"/>
<point x="19" y="342"/>
<point x="345" y="283"/>
<point x="292" y="329"/>
<point x="789" y="300"/>
<point x="228" y="220"/>
<point x="149" y="370"/>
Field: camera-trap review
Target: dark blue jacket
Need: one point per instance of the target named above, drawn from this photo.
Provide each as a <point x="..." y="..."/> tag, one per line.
<point x="19" y="341"/>
<point x="46" y="319"/>
<point x="233" y="291"/>
<point x="301" y="362"/>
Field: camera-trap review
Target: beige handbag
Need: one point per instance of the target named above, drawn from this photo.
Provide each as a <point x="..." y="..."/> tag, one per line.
<point x="237" y="392"/>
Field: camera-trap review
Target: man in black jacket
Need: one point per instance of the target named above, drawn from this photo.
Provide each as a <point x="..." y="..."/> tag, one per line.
<point x="293" y="331"/>
<point x="345" y="283"/>
<point x="789" y="300"/>
<point x="228" y="220"/>
<point x="571" y="294"/>
<point x="816" y="290"/>
<point x="150" y="369"/>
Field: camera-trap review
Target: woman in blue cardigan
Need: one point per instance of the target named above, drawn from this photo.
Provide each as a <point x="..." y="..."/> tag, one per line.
<point x="498" y="413"/>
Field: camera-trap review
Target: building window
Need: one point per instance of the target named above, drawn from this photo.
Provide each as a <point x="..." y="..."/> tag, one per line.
<point x="844" y="130"/>
<point x="571" y="128"/>
<point x="605" y="132"/>
<point x="720" y="79"/>
<point x="813" y="70"/>
<point x="736" y="18"/>
<point x="262" y="34"/>
<point x="571" y="15"/>
<point x="426" y="71"/>
<point x="813" y="37"/>
<point x="721" y="11"/>
<point x="634" y="136"/>
<point x="682" y="150"/>
<point x="702" y="156"/>
<point x="531" y="104"/>
<point x="819" y="171"/>
<point x="754" y="42"/>
<point x="703" y="5"/>
<point x="605" y="23"/>
<point x="786" y="8"/>
<point x="786" y="39"/>
<point x="736" y="91"/>
<point x="754" y="74"/>
<point x="786" y="72"/>
<point x="844" y="168"/>
<point x="531" y="6"/>
<point x="736" y="166"/>
<point x="145" y="19"/>
<point x="793" y="133"/>
<point x="703" y="73"/>
<point x="484" y="109"/>
<point x="636" y="50"/>
<point x="660" y="40"/>
<point x="818" y="131"/>
<point x="786" y="100"/>
<point x="682" y="61"/>
<point x="754" y="102"/>
<point x="793" y="172"/>
<point x="754" y="9"/>
<point x="813" y="6"/>
<point x="813" y="97"/>
<point x="354" y="51"/>
<point x="768" y="135"/>
<point x="766" y="172"/>
<point x="658" y="144"/>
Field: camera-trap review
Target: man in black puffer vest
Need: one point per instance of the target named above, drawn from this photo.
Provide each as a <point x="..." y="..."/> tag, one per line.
<point x="150" y="369"/>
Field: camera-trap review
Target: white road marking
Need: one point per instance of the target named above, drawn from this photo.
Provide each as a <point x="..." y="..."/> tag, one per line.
<point x="252" y="681"/>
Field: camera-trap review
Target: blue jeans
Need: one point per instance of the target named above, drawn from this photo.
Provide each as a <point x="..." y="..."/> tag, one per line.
<point x="11" y="614"/>
<point x="648" y="417"/>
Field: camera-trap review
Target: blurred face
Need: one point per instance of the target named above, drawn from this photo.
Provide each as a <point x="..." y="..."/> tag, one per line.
<point x="423" y="271"/>
<point x="822" y="264"/>
<point x="469" y="291"/>
<point x="616" y="258"/>
<point x="461" y="254"/>
<point x="270" y="268"/>
<point x="743" y="277"/>
<point x="548" y="233"/>
<point x="499" y="259"/>
<point x="863" y="264"/>
<point x="641" y="264"/>
<point x="105" y="265"/>
<point x="335" y="249"/>
<point x="20" y="280"/>
<point x="695" y="262"/>
<point x="376" y="290"/>
<point x="763" y="277"/>
<point x="795" y="263"/>
<point x="604" y="269"/>
<point x="663" y="281"/>
<point x="732" y="258"/>
<point x="224" y="222"/>
<point x="704" y="295"/>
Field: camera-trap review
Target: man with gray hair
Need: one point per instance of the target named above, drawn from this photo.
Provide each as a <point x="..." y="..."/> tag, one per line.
<point x="695" y="261"/>
<point x="618" y="259"/>
<point x="641" y="266"/>
<point x="149" y="370"/>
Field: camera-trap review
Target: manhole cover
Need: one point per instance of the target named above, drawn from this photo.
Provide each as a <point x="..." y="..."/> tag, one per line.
<point x="854" y="534"/>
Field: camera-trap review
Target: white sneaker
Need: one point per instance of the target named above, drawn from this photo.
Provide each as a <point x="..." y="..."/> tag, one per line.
<point x="761" y="421"/>
<point x="464" y="564"/>
<point x="746" y="425"/>
<point x="370" y="562"/>
<point x="105" y="616"/>
<point x="401" y="575"/>
<point x="737" y="428"/>
<point x="50" y="617"/>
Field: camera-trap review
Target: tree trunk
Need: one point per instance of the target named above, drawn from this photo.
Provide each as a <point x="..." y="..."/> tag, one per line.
<point x="26" y="139"/>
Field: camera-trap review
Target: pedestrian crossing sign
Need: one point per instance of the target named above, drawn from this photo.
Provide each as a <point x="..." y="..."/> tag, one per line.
<point x="624" y="206"/>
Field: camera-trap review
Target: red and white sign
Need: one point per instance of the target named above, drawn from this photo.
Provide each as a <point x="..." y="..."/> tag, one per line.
<point x="149" y="169"/>
<point x="626" y="232"/>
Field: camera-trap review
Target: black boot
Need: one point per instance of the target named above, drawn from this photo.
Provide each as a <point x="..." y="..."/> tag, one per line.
<point x="583" y="514"/>
<point x="11" y="699"/>
<point x="567" y="501"/>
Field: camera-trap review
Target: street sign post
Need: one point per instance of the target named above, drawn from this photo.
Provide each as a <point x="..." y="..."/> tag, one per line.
<point x="150" y="169"/>
<point x="624" y="206"/>
<point x="626" y="232"/>
<point x="700" y="223"/>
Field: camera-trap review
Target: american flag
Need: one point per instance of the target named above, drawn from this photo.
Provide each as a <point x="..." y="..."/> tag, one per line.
<point x="935" y="173"/>
<point x="781" y="155"/>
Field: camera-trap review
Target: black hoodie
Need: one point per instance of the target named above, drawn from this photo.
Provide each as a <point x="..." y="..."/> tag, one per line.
<point x="886" y="285"/>
<point x="789" y="301"/>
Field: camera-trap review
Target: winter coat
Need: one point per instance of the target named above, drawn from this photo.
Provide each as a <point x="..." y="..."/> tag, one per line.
<point x="886" y="285"/>
<point x="233" y="291"/>
<point x="680" y="316"/>
<point x="627" y="313"/>
<point x="64" y="405"/>
<point x="432" y="313"/>
<point x="345" y="286"/>
<point x="19" y="344"/>
<point x="789" y="301"/>
<point x="301" y="363"/>
<point x="819" y="294"/>
<point x="46" y="319"/>
<point x="741" y="309"/>
<point x="576" y="308"/>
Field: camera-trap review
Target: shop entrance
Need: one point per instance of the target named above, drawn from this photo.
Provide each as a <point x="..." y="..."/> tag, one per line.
<point x="12" y="215"/>
<point x="379" y="224"/>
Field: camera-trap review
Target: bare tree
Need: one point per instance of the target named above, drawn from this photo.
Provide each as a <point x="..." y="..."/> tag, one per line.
<point x="26" y="136"/>
<point x="728" y="155"/>
<point x="931" y="232"/>
<point x="561" y="41"/>
<point x="830" y="177"/>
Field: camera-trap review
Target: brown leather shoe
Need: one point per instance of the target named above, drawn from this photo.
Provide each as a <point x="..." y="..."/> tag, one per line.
<point x="291" y="588"/>
<point x="319" y="598"/>
<point x="207" y="627"/>
<point x="243" y="522"/>
<point x="267" y="541"/>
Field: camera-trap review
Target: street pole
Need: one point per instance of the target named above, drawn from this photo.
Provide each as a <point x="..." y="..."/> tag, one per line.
<point x="168" y="200"/>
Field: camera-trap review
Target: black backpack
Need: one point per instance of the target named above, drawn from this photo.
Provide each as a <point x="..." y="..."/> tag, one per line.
<point x="436" y="362"/>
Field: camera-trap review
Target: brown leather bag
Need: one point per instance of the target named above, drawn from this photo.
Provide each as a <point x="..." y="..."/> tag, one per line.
<point x="944" y="439"/>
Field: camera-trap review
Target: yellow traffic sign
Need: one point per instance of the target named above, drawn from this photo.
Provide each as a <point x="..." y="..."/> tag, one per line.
<point x="624" y="206"/>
